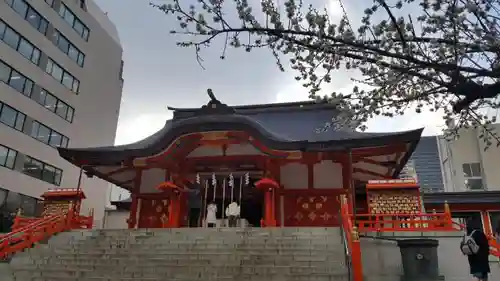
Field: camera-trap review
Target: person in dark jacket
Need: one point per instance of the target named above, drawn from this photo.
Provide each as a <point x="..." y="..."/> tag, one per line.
<point x="479" y="263"/>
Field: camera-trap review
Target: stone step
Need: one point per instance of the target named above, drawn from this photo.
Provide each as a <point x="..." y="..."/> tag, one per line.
<point x="201" y="278"/>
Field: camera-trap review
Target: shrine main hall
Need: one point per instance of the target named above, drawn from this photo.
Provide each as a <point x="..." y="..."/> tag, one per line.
<point x="284" y="164"/>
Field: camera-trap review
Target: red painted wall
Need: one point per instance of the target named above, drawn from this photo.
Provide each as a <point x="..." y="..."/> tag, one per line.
<point x="311" y="207"/>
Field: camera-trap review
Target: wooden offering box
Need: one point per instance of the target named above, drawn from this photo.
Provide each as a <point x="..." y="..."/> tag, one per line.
<point x="58" y="201"/>
<point x="393" y="197"/>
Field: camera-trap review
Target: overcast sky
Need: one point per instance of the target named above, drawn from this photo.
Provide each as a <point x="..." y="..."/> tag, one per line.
<point x="157" y="73"/>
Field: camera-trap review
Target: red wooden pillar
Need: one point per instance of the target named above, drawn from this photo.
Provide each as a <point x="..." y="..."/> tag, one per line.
<point x="132" y="220"/>
<point x="347" y="180"/>
<point x="174" y="211"/>
<point x="269" y="187"/>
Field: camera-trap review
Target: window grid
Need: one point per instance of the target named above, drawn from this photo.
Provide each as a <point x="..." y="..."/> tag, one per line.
<point x="7" y="157"/>
<point x="68" y="48"/>
<point x="63" y="76"/>
<point x="11" y="117"/>
<point x="16" y="120"/>
<point x="472" y="176"/>
<point x="29" y="14"/>
<point x="78" y="26"/>
<point x="24" y="85"/>
<point x="48" y="136"/>
<point x="42" y="171"/>
<point x="13" y="39"/>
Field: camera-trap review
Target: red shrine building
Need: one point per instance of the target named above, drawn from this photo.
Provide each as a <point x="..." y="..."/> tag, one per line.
<point x="284" y="164"/>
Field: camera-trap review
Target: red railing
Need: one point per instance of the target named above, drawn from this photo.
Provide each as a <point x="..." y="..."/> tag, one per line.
<point x="352" y="240"/>
<point x="25" y="236"/>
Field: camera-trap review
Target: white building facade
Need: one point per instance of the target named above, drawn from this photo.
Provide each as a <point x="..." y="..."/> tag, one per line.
<point x="60" y="85"/>
<point x="467" y="165"/>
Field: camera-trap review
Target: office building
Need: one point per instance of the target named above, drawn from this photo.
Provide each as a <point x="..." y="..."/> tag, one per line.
<point x="60" y="85"/>
<point x="427" y="164"/>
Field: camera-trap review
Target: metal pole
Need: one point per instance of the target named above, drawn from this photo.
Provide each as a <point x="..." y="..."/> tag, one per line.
<point x="223" y="201"/>
<point x="352" y="188"/>
<point x="78" y="188"/>
<point x="204" y="212"/>
<point x="241" y="188"/>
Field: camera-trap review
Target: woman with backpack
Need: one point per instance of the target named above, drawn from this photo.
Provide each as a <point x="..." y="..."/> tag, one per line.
<point x="477" y="249"/>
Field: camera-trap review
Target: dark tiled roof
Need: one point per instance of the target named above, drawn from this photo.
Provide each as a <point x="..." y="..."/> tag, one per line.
<point x="292" y="126"/>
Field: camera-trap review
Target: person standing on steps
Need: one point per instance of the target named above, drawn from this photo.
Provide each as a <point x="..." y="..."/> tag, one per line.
<point x="233" y="213"/>
<point x="211" y="214"/>
<point x="194" y="203"/>
<point x="477" y="249"/>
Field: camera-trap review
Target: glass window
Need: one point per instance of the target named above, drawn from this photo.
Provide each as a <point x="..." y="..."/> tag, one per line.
<point x="78" y="26"/>
<point x="55" y="139"/>
<point x="17" y="81"/>
<point x="63" y="44"/>
<point x="43" y="26"/>
<point x="76" y="86"/>
<point x="2" y="29"/>
<point x="58" y="177"/>
<point x="4" y="72"/>
<point x="50" y="102"/>
<point x="48" y="173"/>
<point x="21" y="117"/>
<point x="34" y="129"/>
<point x="49" y="66"/>
<point x="49" y="2"/>
<point x="33" y="167"/>
<point x="80" y="59"/>
<point x="471" y="169"/>
<point x="11" y="38"/>
<point x="62" y="109"/>
<point x="57" y="72"/>
<point x="25" y="48"/>
<point x="69" y="17"/>
<point x="28" y="87"/>
<point x="474" y="184"/>
<point x="35" y="58"/>
<point x="86" y="34"/>
<point x="20" y="7"/>
<point x="70" y="114"/>
<point x="43" y="133"/>
<point x="67" y="80"/>
<point x="8" y="116"/>
<point x="73" y="53"/>
<point x="11" y="159"/>
<point x="4" y="153"/>
<point x="64" y="142"/>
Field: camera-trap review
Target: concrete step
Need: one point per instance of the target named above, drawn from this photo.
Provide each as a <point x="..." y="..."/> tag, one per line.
<point x="278" y="254"/>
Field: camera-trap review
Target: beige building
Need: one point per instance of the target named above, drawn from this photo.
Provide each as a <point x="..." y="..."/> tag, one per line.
<point x="467" y="166"/>
<point x="61" y="85"/>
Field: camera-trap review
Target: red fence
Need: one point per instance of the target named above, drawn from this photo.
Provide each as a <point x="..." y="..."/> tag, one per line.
<point x="28" y="232"/>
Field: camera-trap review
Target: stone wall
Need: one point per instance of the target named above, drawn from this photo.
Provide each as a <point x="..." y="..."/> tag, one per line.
<point x="453" y="265"/>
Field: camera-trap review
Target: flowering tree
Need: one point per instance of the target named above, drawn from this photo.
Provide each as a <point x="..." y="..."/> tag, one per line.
<point x="443" y="57"/>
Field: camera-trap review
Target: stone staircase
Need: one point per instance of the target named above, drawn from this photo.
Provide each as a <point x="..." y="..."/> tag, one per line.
<point x="241" y="254"/>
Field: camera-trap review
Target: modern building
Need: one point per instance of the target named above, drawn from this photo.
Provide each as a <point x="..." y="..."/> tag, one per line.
<point x="60" y="86"/>
<point x="469" y="165"/>
<point x="427" y="164"/>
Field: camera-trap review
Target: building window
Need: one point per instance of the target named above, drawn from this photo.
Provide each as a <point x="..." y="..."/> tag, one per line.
<point x="29" y="14"/>
<point x="7" y="157"/>
<point x="50" y="102"/>
<point x="11" y="117"/>
<point x="50" y="2"/>
<point x="25" y="86"/>
<point x="42" y="171"/>
<point x="74" y="22"/>
<point x="13" y="39"/>
<point x="61" y="75"/>
<point x="472" y="176"/>
<point x="68" y="48"/>
<point x="47" y="135"/>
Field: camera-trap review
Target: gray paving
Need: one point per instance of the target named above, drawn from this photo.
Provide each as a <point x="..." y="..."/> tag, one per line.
<point x="252" y="254"/>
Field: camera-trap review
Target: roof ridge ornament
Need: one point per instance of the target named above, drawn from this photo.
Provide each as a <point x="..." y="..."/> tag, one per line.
<point x="214" y="106"/>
